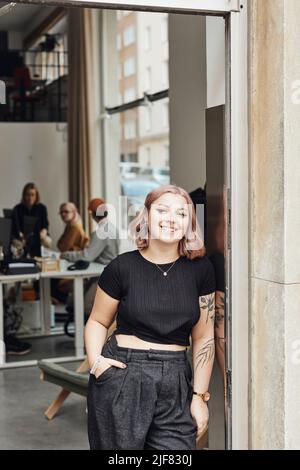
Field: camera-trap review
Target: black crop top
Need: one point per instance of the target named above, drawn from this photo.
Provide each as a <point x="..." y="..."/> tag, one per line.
<point x="154" y="307"/>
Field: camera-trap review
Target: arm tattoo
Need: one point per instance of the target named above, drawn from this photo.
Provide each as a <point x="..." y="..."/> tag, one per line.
<point x="206" y="353"/>
<point x="208" y="303"/>
<point x="220" y="308"/>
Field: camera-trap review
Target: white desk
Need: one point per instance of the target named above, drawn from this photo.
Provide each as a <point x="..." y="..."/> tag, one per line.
<point x="94" y="270"/>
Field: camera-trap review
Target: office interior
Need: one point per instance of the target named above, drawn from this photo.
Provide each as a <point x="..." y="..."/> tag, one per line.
<point x="99" y="104"/>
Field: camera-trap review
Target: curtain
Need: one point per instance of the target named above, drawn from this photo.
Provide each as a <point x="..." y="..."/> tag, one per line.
<point x="80" y="107"/>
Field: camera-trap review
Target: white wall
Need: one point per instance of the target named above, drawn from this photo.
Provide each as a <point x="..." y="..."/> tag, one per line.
<point x="38" y="153"/>
<point x="215" y="59"/>
<point x="197" y="82"/>
<point x="187" y="75"/>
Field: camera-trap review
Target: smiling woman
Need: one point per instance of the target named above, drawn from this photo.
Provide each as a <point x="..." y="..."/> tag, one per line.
<point x="164" y="293"/>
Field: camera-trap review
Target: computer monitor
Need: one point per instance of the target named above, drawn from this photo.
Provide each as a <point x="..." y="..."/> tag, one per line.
<point x="7" y="213"/>
<point x="5" y="234"/>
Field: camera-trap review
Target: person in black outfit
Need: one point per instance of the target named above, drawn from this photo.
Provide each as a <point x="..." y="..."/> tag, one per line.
<point x="142" y="392"/>
<point x="30" y="221"/>
<point x="29" y="243"/>
<point x="198" y="196"/>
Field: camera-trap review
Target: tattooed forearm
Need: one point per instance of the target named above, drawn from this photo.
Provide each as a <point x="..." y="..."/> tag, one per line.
<point x="207" y="304"/>
<point x="220" y="308"/>
<point x="205" y="354"/>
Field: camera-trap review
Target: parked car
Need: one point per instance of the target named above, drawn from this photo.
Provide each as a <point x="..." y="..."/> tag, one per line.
<point x="162" y="175"/>
<point x="129" y="170"/>
<point x="138" y="187"/>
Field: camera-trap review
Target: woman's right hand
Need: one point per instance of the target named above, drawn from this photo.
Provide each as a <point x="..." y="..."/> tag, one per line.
<point x="107" y="362"/>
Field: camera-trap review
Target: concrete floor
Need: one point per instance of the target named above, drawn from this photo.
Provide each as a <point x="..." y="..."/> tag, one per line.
<point x="47" y="347"/>
<point x="23" y="400"/>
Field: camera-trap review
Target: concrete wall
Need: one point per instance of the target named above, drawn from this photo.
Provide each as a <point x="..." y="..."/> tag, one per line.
<point x="38" y="153"/>
<point x="275" y="223"/>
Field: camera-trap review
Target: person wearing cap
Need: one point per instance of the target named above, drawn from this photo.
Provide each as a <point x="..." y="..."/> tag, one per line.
<point x="103" y="245"/>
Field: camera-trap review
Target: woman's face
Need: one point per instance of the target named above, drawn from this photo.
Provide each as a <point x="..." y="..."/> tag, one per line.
<point x="169" y="218"/>
<point x="66" y="213"/>
<point x="30" y="197"/>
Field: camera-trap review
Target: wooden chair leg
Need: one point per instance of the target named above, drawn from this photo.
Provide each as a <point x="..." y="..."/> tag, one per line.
<point x="56" y="404"/>
<point x="63" y="395"/>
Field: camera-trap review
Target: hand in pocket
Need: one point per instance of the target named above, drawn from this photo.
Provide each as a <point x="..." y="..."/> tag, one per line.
<point x="106" y="363"/>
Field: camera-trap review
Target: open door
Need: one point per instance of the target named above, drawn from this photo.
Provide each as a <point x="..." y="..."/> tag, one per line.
<point x="235" y="188"/>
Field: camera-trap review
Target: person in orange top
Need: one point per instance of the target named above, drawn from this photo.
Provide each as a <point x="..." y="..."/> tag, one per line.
<point x="74" y="237"/>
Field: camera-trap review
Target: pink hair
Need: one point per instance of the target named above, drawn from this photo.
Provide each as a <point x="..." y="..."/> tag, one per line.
<point x="191" y="245"/>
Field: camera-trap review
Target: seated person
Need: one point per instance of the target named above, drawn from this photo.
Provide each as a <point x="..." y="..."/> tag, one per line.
<point x="74" y="237"/>
<point x="30" y="206"/>
<point x="103" y="245"/>
<point x="102" y="248"/>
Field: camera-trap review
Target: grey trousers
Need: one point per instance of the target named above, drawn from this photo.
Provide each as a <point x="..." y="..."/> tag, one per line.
<point x="144" y="406"/>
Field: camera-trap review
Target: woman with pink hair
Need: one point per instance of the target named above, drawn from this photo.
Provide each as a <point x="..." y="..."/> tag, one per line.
<point x="142" y="392"/>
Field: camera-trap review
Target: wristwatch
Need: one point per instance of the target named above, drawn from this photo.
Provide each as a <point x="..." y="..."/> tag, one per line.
<point x="205" y="396"/>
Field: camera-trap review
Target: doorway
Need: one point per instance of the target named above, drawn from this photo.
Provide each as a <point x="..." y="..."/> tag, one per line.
<point x="235" y="191"/>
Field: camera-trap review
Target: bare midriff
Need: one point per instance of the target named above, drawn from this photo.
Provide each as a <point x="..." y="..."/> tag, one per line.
<point x="131" y="341"/>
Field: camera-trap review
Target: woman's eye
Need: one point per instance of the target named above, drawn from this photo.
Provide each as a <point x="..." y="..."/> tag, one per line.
<point x="161" y="210"/>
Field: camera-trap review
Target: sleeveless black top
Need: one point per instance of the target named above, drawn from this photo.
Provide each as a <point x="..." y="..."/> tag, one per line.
<point x="153" y="307"/>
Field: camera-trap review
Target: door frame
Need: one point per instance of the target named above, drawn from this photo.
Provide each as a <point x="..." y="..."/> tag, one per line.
<point x="207" y="7"/>
<point x="236" y="190"/>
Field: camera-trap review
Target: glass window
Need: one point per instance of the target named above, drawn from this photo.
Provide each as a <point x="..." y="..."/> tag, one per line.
<point x="129" y="66"/>
<point x="129" y="95"/>
<point x="129" y="36"/>
<point x="144" y="130"/>
<point x="130" y="130"/>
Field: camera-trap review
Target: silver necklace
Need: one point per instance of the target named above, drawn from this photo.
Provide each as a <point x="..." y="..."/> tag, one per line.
<point x="165" y="273"/>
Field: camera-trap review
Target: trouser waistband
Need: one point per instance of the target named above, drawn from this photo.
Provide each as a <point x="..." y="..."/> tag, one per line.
<point x="140" y="354"/>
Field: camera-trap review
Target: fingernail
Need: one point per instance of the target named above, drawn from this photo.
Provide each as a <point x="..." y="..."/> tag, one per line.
<point x="124" y="365"/>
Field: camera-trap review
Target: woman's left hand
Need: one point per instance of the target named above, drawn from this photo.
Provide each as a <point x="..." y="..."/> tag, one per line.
<point x="200" y="413"/>
<point x="43" y="234"/>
